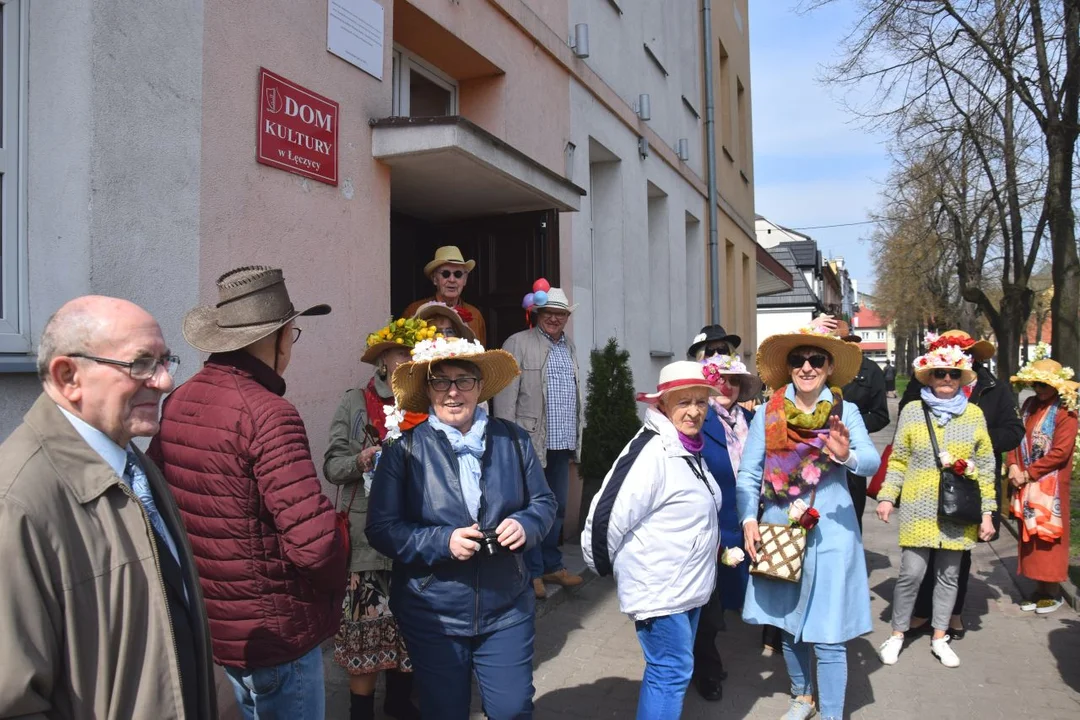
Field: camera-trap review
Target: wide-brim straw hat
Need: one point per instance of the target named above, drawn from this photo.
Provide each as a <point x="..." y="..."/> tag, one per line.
<point x="678" y="375"/>
<point x="429" y="310"/>
<point x="498" y="369"/>
<point x="556" y="300"/>
<point x="253" y="303"/>
<point x="734" y="367"/>
<point x="1049" y="372"/>
<point x="372" y="352"/>
<point x="712" y="333"/>
<point x="772" y="356"/>
<point x="979" y="350"/>
<point x="448" y="255"/>
<point x="944" y="357"/>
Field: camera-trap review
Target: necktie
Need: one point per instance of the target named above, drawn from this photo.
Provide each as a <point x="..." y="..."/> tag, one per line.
<point x="141" y="486"/>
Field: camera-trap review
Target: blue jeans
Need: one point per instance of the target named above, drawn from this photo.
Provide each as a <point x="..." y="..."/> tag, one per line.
<point x="546" y="557"/>
<point x="501" y="660"/>
<point x="831" y="673"/>
<point x="287" y="691"/>
<point x="668" y="645"/>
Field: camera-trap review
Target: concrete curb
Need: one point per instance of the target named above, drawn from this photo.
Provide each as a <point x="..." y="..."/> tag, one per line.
<point x="1068" y="590"/>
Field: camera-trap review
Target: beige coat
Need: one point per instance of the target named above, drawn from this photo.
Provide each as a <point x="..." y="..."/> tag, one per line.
<point x="83" y="614"/>
<point x="523" y="402"/>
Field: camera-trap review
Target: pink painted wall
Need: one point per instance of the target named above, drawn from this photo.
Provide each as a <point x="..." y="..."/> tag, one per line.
<point x="332" y="242"/>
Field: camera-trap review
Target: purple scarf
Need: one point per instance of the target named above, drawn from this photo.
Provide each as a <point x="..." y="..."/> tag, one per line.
<point x="693" y="444"/>
<point x="735" y="429"/>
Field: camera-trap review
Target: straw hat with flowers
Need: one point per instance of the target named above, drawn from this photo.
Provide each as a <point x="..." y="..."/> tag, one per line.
<point x="979" y="350"/>
<point x="772" y="356"/>
<point x="1043" y="370"/>
<point x="731" y="366"/>
<point x="944" y="357"/>
<point x="400" y="333"/>
<point x="497" y="370"/>
<point x="678" y="375"/>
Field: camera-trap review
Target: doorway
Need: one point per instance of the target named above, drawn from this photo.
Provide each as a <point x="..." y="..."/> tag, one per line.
<point x="511" y="252"/>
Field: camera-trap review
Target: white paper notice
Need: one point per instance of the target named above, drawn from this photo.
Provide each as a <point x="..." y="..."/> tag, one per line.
<point x="354" y="32"/>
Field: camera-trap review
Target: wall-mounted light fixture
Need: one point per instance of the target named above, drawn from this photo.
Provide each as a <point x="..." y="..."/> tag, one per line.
<point x="579" y="43"/>
<point x="643" y="147"/>
<point x="644" y="107"/>
<point x="569" y="155"/>
<point x="683" y="149"/>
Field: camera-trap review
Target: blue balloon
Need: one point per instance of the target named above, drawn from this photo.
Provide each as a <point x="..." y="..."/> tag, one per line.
<point x="540" y="297"/>
<point x="528" y="301"/>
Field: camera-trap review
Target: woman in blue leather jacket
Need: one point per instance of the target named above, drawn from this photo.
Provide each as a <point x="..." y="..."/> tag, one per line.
<point x="456" y="499"/>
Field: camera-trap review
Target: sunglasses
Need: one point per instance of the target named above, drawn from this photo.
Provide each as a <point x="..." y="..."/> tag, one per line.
<point x="942" y="374"/>
<point x="464" y="383"/>
<point x="447" y="274"/>
<point x="797" y="360"/>
<point x="717" y="350"/>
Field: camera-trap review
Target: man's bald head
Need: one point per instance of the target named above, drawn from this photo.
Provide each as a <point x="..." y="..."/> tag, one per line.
<point x="83" y="325"/>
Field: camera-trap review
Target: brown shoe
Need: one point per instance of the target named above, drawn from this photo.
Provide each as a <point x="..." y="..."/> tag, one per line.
<point x="564" y="578"/>
<point x="539" y="589"/>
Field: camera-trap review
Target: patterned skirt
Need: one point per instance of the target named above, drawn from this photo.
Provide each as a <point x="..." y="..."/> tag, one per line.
<point x="368" y="640"/>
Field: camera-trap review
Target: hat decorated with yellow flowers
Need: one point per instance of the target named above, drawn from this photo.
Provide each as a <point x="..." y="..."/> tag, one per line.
<point x="1041" y="369"/>
<point x="400" y="333"/>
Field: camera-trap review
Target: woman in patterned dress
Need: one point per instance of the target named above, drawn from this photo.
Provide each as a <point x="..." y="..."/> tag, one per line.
<point x="368" y="640"/>
<point x="1040" y="470"/>
<point x="964" y="444"/>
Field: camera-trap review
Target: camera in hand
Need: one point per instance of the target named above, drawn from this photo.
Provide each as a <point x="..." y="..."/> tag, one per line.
<point x="489" y="544"/>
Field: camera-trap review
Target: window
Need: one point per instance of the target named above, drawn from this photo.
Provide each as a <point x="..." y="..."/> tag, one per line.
<point x="420" y="90"/>
<point x="727" y="122"/>
<point x="14" y="295"/>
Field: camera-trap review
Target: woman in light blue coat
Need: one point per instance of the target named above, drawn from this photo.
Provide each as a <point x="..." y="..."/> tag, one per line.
<point x="800" y="447"/>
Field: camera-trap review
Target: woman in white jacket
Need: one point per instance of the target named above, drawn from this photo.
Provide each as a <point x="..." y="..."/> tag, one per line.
<point x="655" y="524"/>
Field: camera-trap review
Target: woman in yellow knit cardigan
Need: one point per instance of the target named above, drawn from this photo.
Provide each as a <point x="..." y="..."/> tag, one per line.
<point x="964" y="444"/>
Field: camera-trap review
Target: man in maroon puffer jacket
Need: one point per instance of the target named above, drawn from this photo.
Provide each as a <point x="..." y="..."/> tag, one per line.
<point x="235" y="453"/>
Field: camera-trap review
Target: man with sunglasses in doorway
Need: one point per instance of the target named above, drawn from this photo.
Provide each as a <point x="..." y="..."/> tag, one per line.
<point x="449" y="272"/>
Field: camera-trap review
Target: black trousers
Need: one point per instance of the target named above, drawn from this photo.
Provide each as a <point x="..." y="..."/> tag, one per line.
<point x="707" y="662"/>
<point x="857" y="488"/>
<point x="925" y="602"/>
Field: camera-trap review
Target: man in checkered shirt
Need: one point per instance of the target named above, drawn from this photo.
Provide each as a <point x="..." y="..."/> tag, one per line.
<point x="546" y="400"/>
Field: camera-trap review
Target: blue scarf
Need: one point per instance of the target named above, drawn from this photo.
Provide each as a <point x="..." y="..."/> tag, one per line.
<point x="944" y="410"/>
<point x="469" y="449"/>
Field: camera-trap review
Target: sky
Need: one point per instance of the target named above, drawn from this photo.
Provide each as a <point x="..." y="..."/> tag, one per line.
<point x="814" y="163"/>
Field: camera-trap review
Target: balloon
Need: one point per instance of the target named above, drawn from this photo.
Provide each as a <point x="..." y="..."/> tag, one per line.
<point x="540" y="297"/>
<point x="528" y="301"/>
<point x="541" y="285"/>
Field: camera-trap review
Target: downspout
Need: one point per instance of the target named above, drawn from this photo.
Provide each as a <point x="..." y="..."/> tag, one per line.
<point x="710" y="145"/>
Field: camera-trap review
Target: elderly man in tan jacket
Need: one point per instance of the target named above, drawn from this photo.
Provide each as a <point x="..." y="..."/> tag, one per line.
<point x="546" y="400"/>
<point x="101" y="615"/>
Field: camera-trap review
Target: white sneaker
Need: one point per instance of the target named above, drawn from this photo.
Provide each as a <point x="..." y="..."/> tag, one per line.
<point x="1048" y="605"/>
<point x="889" y="652"/>
<point x="1029" y="605"/>
<point x="944" y="653"/>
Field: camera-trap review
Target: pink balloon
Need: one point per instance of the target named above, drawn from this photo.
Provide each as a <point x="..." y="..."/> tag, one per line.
<point x="527" y="302"/>
<point x="541" y="285"/>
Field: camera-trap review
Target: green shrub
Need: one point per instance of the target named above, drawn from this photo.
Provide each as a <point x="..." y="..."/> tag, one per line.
<point x="611" y="418"/>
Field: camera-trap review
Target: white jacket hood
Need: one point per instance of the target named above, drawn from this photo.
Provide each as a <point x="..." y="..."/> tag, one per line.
<point x="658" y="508"/>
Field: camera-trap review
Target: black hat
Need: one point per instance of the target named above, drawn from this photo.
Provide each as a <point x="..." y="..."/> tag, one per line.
<point x="712" y="333"/>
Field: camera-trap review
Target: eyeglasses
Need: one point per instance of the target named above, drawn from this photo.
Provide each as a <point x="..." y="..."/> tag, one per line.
<point x="296" y="334"/>
<point x="464" y="383"/>
<point x="796" y="360"/>
<point x="447" y="274"/>
<point x="717" y="350"/>
<point x="942" y="374"/>
<point x="141" y="368"/>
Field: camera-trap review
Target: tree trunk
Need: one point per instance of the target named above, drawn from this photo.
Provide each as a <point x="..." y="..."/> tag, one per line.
<point x="1065" y="304"/>
<point x="1008" y="324"/>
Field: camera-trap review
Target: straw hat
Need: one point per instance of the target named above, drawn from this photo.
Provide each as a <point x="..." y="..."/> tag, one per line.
<point x="556" y="300"/>
<point x="677" y="376"/>
<point x="979" y="350"/>
<point x="772" y="356"/>
<point x="712" y="333"/>
<point x="448" y="255"/>
<point x="402" y="333"/>
<point x="1049" y="372"/>
<point x="252" y="304"/>
<point x="728" y="365"/>
<point x="498" y="369"/>
<point x="430" y="310"/>
<point x="944" y="357"/>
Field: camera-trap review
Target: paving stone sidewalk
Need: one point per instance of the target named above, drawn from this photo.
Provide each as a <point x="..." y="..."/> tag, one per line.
<point x="1013" y="664"/>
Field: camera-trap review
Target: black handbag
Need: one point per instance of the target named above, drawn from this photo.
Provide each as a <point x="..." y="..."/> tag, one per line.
<point x="959" y="498"/>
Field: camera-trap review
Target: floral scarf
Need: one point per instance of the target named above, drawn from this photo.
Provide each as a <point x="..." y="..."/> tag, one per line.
<point x="376" y="415"/>
<point x="735" y="429"/>
<point x="794" y="447"/>
<point x="1038" y="504"/>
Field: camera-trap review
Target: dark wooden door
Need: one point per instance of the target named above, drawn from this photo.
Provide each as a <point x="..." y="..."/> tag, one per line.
<point x="511" y="252"/>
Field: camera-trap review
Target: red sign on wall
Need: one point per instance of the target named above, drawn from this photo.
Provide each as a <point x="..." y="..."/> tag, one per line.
<point x="298" y="129"/>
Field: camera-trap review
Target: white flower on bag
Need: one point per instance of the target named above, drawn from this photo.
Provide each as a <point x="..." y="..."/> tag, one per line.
<point x="394" y="417"/>
<point x="946" y="458"/>
<point x="796" y="510"/>
<point x="732" y="556"/>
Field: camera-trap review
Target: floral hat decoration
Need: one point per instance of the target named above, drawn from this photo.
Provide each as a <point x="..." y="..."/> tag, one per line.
<point x="498" y="369"/>
<point x="1041" y="369"/>
<point x="457" y="316"/>
<point x="727" y="365"/>
<point x="403" y="332"/>
<point x="947" y="356"/>
<point x="773" y="353"/>
<point x="979" y="350"/>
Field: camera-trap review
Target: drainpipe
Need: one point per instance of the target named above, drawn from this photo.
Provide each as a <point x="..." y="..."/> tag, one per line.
<point x="710" y="145"/>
